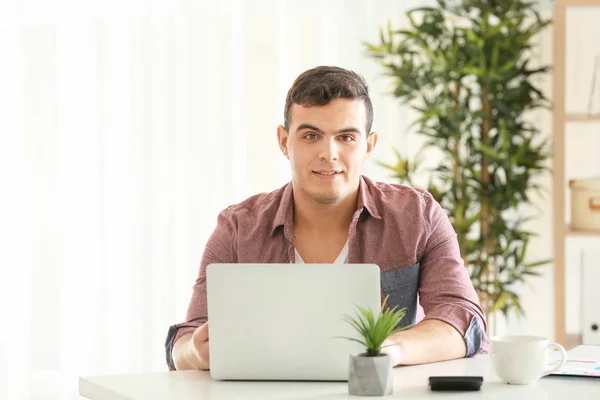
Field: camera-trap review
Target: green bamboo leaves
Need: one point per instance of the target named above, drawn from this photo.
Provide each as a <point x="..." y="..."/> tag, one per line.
<point x="467" y="67"/>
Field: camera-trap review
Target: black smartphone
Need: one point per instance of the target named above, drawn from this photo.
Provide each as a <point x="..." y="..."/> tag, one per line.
<point x="457" y="383"/>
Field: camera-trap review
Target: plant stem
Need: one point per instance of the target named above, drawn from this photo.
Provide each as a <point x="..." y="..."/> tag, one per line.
<point x="458" y="178"/>
<point x="485" y="203"/>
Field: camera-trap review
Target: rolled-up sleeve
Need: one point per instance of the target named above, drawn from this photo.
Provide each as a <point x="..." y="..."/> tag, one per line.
<point x="219" y="249"/>
<point x="446" y="292"/>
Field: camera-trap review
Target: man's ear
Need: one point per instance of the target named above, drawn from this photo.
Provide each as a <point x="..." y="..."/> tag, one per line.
<point x="371" y="142"/>
<point x="282" y="137"/>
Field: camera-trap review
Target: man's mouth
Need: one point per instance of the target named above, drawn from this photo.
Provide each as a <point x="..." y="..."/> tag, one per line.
<point x="327" y="172"/>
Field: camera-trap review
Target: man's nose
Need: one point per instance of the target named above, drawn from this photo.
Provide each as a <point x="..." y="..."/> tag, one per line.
<point x="329" y="150"/>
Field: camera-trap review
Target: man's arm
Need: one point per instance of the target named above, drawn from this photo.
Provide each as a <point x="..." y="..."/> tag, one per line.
<point x="454" y="324"/>
<point x="429" y="341"/>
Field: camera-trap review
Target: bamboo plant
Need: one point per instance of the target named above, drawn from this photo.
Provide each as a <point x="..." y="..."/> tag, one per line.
<point x="465" y="66"/>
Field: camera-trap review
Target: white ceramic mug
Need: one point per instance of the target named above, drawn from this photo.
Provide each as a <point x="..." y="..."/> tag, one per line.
<point x="521" y="359"/>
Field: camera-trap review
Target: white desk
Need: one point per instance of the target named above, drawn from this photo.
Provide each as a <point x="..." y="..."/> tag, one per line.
<point x="409" y="383"/>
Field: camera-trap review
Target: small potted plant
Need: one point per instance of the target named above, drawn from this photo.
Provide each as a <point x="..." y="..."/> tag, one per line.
<point x="370" y="373"/>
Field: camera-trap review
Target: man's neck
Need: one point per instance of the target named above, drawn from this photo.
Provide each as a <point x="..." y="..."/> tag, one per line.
<point x="312" y="215"/>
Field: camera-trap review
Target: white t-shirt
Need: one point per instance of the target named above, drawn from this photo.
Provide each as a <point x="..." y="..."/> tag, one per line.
<point x="341" y="259"/>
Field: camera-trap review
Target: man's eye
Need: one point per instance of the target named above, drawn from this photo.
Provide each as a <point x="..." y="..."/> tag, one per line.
<point x="310" y="136"/>
<point x="347" y="138"/>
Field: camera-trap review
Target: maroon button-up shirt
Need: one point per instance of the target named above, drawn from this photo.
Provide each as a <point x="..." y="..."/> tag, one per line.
<point x="401" y="229"/>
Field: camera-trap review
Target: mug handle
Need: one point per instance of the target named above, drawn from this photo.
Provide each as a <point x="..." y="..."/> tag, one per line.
<point x="563" y="355"/>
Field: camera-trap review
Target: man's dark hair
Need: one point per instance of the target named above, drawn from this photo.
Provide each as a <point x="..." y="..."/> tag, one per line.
<point x="320" y="85"/>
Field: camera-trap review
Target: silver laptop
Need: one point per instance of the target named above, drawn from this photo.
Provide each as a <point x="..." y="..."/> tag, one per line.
<point x="279" y="321"/>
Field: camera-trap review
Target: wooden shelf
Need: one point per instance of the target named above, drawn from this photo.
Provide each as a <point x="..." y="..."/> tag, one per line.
<point x="580" y="232"/>
<point x="582" y="118"/>
<point x="576" y="3"/>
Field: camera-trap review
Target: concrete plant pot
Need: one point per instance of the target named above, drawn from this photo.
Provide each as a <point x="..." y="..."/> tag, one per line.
<point x="370" y="376"/>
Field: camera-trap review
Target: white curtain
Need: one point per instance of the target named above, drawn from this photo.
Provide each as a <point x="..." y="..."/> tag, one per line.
<point x="126" y="126"/>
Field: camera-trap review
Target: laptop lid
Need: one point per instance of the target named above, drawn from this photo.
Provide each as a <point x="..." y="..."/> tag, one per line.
<point x="279" y="321"/>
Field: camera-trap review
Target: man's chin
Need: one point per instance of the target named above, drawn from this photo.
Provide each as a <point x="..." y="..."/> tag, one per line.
<point x="326" y="197"/>
<point x="324" y="194"/>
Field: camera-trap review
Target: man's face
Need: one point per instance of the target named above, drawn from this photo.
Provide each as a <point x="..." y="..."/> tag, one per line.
<point x="327" y="147"/>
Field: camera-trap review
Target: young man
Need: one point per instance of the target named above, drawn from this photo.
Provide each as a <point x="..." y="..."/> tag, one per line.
<point x="330" y="213"/>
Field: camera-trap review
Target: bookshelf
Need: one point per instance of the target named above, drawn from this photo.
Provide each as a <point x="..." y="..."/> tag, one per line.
<point x="561" y="118"/>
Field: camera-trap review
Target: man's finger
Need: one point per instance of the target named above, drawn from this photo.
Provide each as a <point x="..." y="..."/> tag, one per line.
<point x="204" y="353"/>
<point x="201" y="334"/>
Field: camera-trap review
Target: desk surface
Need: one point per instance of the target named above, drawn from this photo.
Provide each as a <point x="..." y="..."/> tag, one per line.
<point x="409" y="382"/>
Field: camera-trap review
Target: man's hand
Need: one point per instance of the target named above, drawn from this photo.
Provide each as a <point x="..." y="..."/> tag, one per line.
<point x="200" y="344"/>
<point x="191" y="350"/>
<point x="392" y="349"/>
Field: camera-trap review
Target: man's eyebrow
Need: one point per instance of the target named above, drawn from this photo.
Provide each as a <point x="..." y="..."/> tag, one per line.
<point x="309" y="127"/>
<point x="350" y="129"/>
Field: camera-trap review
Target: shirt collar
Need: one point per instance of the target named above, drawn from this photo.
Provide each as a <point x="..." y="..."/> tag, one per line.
<point x="285" y="212"/>
<point x="366" y="198"/>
